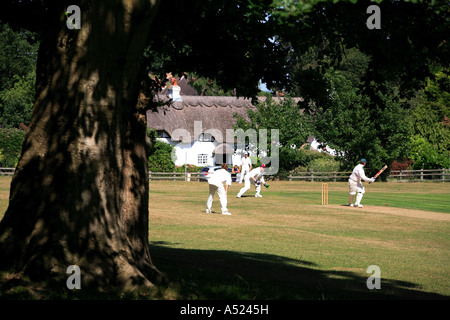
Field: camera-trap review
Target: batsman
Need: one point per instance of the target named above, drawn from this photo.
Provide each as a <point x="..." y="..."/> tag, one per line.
<point x="355" y="184"/>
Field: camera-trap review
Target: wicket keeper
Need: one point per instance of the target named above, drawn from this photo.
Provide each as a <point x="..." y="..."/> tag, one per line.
<point x="254" y="177"/>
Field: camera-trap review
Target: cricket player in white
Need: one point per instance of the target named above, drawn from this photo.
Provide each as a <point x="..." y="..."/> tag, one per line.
<point x="253" y="177"/>
<point x="216" y="184"/>
<point x="246" y="166"/>
<point x="355" y="184"/>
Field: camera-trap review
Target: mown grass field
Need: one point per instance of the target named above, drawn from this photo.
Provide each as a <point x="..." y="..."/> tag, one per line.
<point x="286" y="245"/>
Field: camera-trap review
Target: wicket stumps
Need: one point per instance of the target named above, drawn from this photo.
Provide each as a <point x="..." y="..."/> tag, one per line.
<point x="324" y="193"/>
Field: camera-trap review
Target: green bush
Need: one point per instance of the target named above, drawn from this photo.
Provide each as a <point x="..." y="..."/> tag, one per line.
<point x="323" y="164"/>
<point x="299" y="170"/>
<point x="160" y="159"/>
<point x="291" y="158"/>
<point x="424" y="155"/>
<point x="10" y="146"/>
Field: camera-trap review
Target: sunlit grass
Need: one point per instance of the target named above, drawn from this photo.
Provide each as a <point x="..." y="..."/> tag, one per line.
<point x="288" y="246"/>
<point x="288" y="229"/>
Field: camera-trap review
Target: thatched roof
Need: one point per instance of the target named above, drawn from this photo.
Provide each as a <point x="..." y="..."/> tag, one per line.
<point x="214" y="112"/>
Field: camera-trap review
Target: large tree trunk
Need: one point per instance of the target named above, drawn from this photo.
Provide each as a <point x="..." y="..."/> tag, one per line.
<point x="80" y="192"/>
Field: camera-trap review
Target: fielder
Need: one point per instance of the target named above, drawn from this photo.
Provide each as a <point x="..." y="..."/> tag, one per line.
<point x="216" y="185"/>
<point x="246" y="167"/>
<point x="254" y="177"/>
<point x="355" y="184"/>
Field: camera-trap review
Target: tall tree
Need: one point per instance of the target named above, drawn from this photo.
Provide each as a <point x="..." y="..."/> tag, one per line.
<point x="430" y="144"/>
<point x="355" y="127"/>
<point x="412" y="38"/>
<point x="358" y="100"/>
<point x="79" y="195"/>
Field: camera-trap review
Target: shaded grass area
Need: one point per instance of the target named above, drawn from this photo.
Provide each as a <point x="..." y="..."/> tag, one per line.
<point x="285" y="246"/>
<point x="228" y="275"/>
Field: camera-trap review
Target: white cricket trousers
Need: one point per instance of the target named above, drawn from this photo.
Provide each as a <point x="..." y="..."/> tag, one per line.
<point x="222" y="197"/>
<point x="356" y="188"/>
<point x="247" y="185"/>
<point x="243" y="173"/>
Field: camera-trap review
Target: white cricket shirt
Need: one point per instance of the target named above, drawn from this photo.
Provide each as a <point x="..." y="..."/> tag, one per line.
<point x="358" y="174"/>
<point x="256" y="174"/>
<point x="246" y="163"/>
<point x="219" y="177"/>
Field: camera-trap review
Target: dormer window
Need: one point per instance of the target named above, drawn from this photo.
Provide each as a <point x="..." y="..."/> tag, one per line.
<point x="162" y="134"/>
<point x="206" y="137"/>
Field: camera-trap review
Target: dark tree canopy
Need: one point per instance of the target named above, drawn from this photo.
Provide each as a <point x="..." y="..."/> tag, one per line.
<point x="229" y="41"/>
<point x="240" y="43"/>
<point x="413" y="38"/>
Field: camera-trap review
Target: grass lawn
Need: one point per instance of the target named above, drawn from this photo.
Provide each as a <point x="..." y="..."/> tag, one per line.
<point x="286" y="245"/>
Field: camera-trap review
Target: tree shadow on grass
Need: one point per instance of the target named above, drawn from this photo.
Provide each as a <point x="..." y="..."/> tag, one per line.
<point x="230" y="275"/>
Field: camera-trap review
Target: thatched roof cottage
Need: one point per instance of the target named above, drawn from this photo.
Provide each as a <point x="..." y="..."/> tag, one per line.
<point x="197" y="127"/>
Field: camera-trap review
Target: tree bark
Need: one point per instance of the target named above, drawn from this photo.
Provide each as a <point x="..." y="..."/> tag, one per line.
<point x="79" y="195"/>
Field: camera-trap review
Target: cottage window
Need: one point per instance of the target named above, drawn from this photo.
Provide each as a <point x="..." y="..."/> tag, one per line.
<point x="202" y="159"/>
<point x="205" y="137"/>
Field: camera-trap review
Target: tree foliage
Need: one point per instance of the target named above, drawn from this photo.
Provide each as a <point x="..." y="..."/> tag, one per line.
<point x="10" y="146"/>
<point x="356" y="128"/>
<point x="18" y="56"/>
<point x="284" y="116"/>
<point x="16" y="103"/>
<point x="356" y="82"/>
<point x="208" y="87"/>
<point x="227" y="41"/>
<point x="412" y="39"/>
<point x="430" y="142"/>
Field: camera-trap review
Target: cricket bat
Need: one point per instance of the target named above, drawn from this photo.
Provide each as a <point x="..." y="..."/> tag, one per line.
<point x="379" y="172"/>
